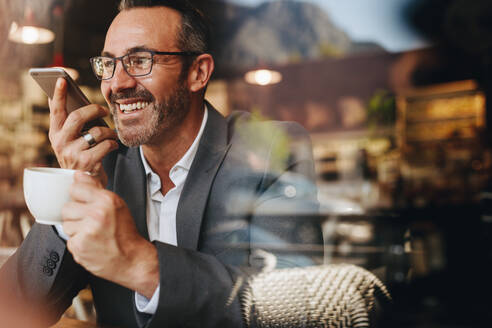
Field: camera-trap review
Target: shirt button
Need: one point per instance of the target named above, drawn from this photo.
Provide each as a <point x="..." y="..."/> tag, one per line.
<point x="54" y="256"/>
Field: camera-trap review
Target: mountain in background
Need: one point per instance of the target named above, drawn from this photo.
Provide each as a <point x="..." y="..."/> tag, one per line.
<point x="277" y="32"/>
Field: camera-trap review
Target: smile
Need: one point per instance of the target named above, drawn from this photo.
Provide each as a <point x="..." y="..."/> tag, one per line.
<point x="128" y="108"/>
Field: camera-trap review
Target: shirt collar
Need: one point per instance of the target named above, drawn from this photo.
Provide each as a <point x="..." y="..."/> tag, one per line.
<point x="187" y="159"/>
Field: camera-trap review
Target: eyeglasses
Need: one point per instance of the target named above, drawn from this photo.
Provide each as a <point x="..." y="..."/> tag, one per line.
<point x="137" y="63"/>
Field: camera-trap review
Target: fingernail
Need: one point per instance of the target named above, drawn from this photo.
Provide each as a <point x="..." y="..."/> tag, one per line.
<point x="91" y="174"/>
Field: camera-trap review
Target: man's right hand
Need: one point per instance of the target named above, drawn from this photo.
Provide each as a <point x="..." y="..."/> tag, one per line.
<point x="71" y="149"/>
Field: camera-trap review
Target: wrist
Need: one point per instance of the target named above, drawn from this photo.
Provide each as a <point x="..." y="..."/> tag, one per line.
<point x="143" y="272"/>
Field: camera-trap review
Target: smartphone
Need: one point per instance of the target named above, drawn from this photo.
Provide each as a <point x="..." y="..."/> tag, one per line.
<point x="46" y="78"/>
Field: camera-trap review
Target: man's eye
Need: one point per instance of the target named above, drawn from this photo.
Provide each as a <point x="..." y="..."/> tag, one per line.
<point x="107" y="64"/>
<point x="138" y="61"/>
<point x="166" y="58"/>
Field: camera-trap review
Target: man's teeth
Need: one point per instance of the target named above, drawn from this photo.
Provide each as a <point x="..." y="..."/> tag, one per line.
<point x="127" y="108"/>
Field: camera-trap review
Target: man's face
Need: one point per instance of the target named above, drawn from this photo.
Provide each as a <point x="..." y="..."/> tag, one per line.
<point x="145" y="108"/>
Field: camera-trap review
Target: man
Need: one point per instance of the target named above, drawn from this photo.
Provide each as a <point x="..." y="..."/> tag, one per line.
<point x="189" y="193"/>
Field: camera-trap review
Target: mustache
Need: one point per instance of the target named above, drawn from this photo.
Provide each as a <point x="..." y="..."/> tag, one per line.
<point x="131" y="93"/>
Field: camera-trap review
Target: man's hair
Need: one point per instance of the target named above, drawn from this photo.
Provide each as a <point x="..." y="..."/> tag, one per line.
<point x="194" y="34"/>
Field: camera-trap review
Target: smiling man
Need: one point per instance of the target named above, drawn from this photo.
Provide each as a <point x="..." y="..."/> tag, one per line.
<point x="163" y="227"/>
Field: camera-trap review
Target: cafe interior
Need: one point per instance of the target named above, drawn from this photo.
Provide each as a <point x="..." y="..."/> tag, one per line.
<point x="399" y="123"/>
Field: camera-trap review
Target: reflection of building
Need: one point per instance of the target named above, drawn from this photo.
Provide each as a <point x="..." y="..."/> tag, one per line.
<point x="329" y="97"/>
<point x="324" y="95"/>
<point x="439" y="131"/>
<point x="335" y="100"/>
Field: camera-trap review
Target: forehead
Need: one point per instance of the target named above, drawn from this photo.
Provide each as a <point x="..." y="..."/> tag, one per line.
<point x="154" y="28"/>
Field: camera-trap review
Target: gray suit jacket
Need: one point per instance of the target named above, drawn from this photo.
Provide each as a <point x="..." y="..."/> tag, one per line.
<point x="251" y="185"/>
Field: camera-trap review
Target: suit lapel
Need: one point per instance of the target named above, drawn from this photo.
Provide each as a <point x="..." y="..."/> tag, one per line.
<point x="210" y="154"/>
<point x="130" y="184"/>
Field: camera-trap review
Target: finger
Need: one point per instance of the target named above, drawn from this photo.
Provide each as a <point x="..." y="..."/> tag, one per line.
<point x="85" y="192"/>
<point x="72" y="217"/>
<point x="78" y="118"/>
<point x="75" y="245"/>
<point x="71" y="242"/>
<point x="89" y="159"/>
<point x="99" y="134"/>
<point x="73" y="211"/>
<point x="71" y="228"/>
<point x="87" y="178"/>
<point x="97" y="172"/>
<point x="58" y="112"/>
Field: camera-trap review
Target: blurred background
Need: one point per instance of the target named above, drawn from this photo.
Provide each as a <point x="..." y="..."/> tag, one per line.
<point x="393" y="92"/>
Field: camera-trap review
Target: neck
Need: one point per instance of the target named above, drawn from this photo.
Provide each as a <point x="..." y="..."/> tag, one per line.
<point x="171" y="147"/>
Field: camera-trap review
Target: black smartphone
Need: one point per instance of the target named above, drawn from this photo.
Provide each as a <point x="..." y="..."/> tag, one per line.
<point x="46" y="78"/>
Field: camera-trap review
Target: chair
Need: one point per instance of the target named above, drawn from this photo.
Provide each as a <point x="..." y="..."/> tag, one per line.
<point x="336" y="295"/>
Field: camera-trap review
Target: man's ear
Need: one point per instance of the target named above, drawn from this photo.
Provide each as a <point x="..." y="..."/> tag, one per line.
<point x="200" y="72"/>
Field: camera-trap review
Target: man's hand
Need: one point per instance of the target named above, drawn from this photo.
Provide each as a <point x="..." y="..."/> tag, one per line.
<point x="104" y="239"/>
<point x="71" y="149"/>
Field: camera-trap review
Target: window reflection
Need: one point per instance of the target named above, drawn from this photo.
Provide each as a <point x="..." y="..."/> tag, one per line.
<point x="398" y="113"/>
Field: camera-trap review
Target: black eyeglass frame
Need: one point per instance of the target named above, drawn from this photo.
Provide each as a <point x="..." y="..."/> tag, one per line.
<point x="153" y="52"/>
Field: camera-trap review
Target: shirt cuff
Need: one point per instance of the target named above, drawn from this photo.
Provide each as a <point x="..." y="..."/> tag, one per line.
<point x="144" y="304"/>
<point x="61" y="233"/>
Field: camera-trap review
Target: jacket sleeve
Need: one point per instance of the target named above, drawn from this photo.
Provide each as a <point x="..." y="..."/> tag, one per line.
<point x="38" y="282"/>
<point x="196" y="290"/>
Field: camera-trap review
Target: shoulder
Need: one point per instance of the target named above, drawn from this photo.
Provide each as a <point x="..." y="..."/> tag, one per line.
<point x="272" y="146"/>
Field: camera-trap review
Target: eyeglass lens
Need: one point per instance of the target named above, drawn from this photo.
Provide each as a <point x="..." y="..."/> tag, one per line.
<point x="136" y="64"/>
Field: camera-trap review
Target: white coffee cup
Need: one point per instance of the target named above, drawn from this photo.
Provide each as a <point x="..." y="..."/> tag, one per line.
<point x="46" y="190"/>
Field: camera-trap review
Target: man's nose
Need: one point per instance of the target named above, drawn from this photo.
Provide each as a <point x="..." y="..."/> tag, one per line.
<point x="121" y="80"/>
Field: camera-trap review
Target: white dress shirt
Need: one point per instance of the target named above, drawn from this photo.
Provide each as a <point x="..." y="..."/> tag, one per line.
<point x="161" y="209"/>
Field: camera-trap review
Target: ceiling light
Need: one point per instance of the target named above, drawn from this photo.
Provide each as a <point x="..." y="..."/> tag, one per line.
<point x="28" y="31"/>
<point x="29" y="34"/>
<point x="263" y="77"/>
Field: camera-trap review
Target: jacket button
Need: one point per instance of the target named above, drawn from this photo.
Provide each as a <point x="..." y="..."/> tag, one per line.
<point x="47" y="271"/>
<point x="51" y="264"/>
<point x="54" y="256"/>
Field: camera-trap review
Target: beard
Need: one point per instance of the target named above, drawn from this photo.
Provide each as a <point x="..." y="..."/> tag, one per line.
<point x="164" y="115"/>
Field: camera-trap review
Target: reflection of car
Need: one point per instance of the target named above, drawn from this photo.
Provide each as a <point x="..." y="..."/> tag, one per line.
<point x="279" y="217"/>
<point x="336" y="198"/>
<point x="295" y="240"/>
<point x="288" y="194"/>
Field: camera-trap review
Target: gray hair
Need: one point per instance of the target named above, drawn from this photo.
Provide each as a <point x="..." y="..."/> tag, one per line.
<point x="194" y="34"/>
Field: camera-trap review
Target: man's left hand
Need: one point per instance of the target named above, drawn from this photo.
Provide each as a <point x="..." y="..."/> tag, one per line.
<point x="104" y="239"/>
